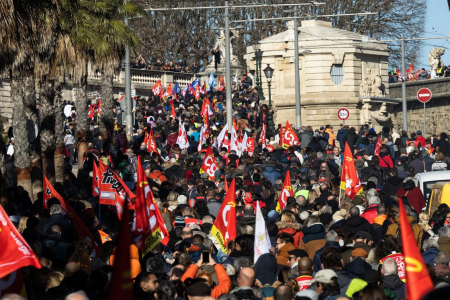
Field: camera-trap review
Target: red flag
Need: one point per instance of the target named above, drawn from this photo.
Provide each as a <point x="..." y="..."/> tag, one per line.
<point x="262" y="137"/>
<point x="410" y="69"/>
<point x="168" y="92"/>
<point x="197" y="92"/>
<point x="209" y="164"/>
<point x="156" y="88"/>
<point x="95" y="181"/>
<point x="50" y="192"/>
<point x="378" y="146"/>
<point x="220" y="86"/>
<point x="151" y="143"/>
<point x="225" y="184"/>
<point x="81" y="229"/>
<point x="250" y="146"/>
<point x="92" y="111"/>
<point x="15" y="252"/>
<point x="289" y="137"/>
<point x="349" y="180"/>
<point x="13" y="284"/>
<point x="121" y="286"/>
<point x="148" y="226"/>
<point x="418" y="281"/>
<point x="174" y="115"/>
<point x="113" y="191"/>
<point x="121" y="98"/>
<point x="286" y="192"/>
<point x="281" y="136"/>
<point x="224" y="228"/>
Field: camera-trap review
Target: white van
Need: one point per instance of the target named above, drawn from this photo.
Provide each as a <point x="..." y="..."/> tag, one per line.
<point x="425" y="181"/>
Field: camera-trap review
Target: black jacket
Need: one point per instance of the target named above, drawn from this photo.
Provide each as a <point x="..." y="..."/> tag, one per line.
<point x="357" y="223"/>
<point x="350" y="137"/>
<point x="392" y="185"/>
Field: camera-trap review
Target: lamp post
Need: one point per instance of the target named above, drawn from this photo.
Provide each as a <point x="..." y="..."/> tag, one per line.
<point x="268" y="72"/>
<point x="257" y="47"/>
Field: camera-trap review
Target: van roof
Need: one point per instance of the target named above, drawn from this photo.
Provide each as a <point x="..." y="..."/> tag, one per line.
<point x="433" y="176"/>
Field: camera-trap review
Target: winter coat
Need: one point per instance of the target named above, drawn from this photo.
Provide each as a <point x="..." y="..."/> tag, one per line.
<point x="439" y="166"/>
<point x="224" y="282"/>
<point x="392" y="185"/>
<point x="429" y="255"/>
<point x="357" y="267"/>
<point x="305" y="138"/>
<point x="157" y="174"/>
<point x="394" y="283"/>
<point x="344" y="280"/>
<point x="357" y="223"/>
<point x="418" y="165"/>
<point x="172" y="139"/>
<point x="313" y="239"/>
<point x="53" y="245"/>
<point x="340" y="137"/>
<point x="444" y="245"/>
<point x="370" y="213"/>
<point x="271" y="174"/>
<point x="417" y="230"/>
<point x="350" y="138"/>
<point x="317" y="260"/>
<point x="413" y="194"/>
<point x="173" y="169"/>
<point x="347" y="254"/>
<point x="67" y="229"/>
<point x="444" y="146"/>
<point x="293" y="229"/>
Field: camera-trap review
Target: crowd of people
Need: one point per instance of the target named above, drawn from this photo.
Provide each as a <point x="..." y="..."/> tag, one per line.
<point x="422" y="74"/>
<point x="324" y="245"/>
<point x="161" y="65"/>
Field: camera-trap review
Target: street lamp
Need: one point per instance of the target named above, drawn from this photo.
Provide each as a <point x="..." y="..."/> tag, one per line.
<point x="268" y="72"/>
<point x="257" y="47"/>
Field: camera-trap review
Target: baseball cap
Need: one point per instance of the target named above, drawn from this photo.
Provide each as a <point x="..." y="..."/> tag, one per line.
<point x="324" y="276"/>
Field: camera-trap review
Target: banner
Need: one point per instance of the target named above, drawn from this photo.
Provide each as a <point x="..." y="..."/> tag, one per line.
<point x="110" y="185"/>
<point x="378" y="146"/>
<point x="151" y="143"/>
<point x="235" y="145"/>
<point x="262" y="240"/>
<point x="262" y="137"/>
<point x="250" y="146"/>
<point x="15" y="252"/>
<point x="223" y="135"/>
<point x="173" y="114"/>
<point x="350" y="182"/>
<point x="209" y="164"/>
<point x="418" y="281"/>
<point x="289" y="137"/>
<point x="50" y="192"/>
<point x="148" y="225"/>
<point x="156" y="88"/>
<point x="182" y="139"/>
<point x="286" y="192"/>
<point x="95" y="180"/>
<point x="224" y="228"/>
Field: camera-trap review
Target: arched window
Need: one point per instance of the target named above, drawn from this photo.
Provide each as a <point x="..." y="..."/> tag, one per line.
<point x="337" y="74"/>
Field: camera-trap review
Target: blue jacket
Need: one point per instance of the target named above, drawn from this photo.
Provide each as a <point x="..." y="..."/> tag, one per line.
<point x="317" y="261"/>
<point x="429" y="255"/>
<point x="271" y="174"/>
<point x="340" y="137"/>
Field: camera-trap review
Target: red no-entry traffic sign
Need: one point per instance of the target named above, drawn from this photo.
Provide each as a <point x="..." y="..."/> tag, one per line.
<point x="424" y="95"/>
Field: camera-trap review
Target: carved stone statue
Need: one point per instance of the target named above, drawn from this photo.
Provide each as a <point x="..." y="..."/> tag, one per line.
<point x="381" y="115"/>
<point x="371" y="85"/>
<point x="435" y="58"/>
<point x="220" y="44"/>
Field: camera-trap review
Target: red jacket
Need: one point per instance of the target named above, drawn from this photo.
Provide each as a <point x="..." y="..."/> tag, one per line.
<point x="222" y="288"/>
<point x="415" y="198"/>
<point x="370" y="213"/>
<point x="172" y="139"/>
<point x="386" y="162"/>
<point x="293" y="229"/>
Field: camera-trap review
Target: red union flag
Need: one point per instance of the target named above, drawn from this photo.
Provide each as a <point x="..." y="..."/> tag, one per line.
<point x="173" y="114"/>
<point x="182" y="139"/>
<point x="50" y="192"/>
<point x="151" y="143"/>
<point x="15" y="252"/>
<point x="262" y="137"/>
<point x="350" y="182"/>
<point x="209" y="164"/>
<point x="156" y="88"/>
<point x="286" y="192"/>
<point x="378" y="146"/>
<point x="418" y="281"/>
<point x="289" y="137"/>
<point x="250" y="146"/>
<point x="148" y="226"/>
<point x="224" y="228"/>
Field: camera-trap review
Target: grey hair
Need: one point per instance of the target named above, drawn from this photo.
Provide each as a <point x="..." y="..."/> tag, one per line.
<point x="246" y="229"/>
<point x="354" y="211"/>
<point x="331" y="236"/>
<point x="444" y="232"/>
<point x="301" y="200"/>
<point x="441" y="259"/>
<point x="208" y="243"/>
<point x="312" y="221"/>
<point x="241" y="262"/>
<point x="389" y="267"/>
<point x="55" y="209"/>
<point x="373" y="200"/>
<point x="430" y="243"/>
<point x="228" y="297"/>
<point x="304" y="215"/>
<point x="230" y="270"/>
<point x="77" y="293"/>
<point x="371" y="192"/>
<point x="207" y="219"/>
<point x="326" y="209"/>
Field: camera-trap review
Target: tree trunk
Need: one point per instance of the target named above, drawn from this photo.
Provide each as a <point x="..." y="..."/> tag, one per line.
<point x="19" y="121"/>
<point x="81" y="105"/>
<point x="107" y="115"/>
<point x="59" y="136"/>
<point x="47" y="132"/>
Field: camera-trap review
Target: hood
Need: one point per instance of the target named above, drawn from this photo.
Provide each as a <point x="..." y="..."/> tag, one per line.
<point x="170" y="165"/>
<point x="247" y="220"/>
<point x="313" y="233"/>
<point x="355" y="221"/>
<point x="342" y="130"/>
<point x="314" y="229"/>
<point x="395" y="180"/>
<point x="409" y="185"/>
<point x="410" y="220"/>
<point x="286" y="225"/>
<point x="266" y="269"/>
<point x="344" y="278"/>
<point x="392" y="281"/>
<point x="380" y="219"/>
<point x="269" y="169"/>
<point x="357" y="267"/>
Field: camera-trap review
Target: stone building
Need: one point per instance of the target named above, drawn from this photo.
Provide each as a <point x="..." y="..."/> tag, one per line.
<point x="338" y="68"/>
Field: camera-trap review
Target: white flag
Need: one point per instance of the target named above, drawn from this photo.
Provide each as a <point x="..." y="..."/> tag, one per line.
<point x="223" y="135"/>
<point x="262" y="240"/>
<point x="244" y="143"/>
<point x="235" y="145"/>
<point x="182" y="139"/>
<point x="200" y="140"/>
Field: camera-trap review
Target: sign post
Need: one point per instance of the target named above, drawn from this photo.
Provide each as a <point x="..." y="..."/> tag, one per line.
<point x="424" y="95"/>
<point x="343" y="114"/>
